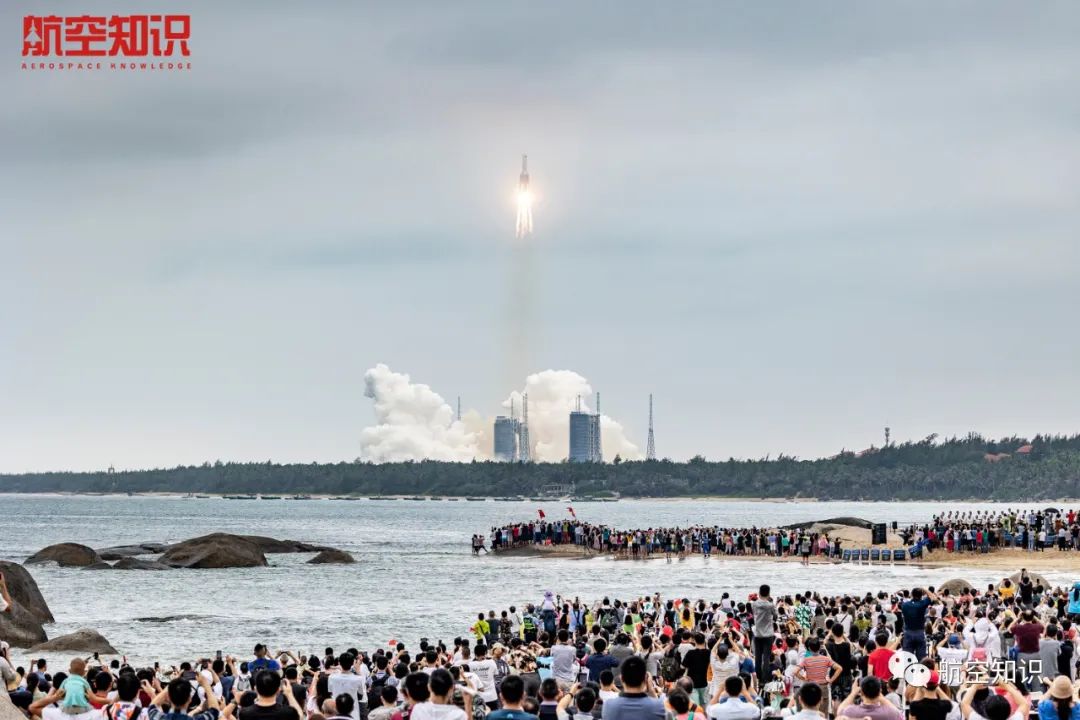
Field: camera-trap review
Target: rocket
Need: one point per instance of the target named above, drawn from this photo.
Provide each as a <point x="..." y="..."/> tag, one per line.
<point x="524" y="201"/>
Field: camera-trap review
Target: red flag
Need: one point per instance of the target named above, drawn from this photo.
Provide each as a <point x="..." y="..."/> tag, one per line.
<point x="542" y="516"/>
<point x="574" y="514"/>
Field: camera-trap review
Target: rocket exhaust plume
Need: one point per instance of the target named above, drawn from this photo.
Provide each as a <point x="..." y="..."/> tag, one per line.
<point x="413" y="422"/>
<point x="524" y="201"/>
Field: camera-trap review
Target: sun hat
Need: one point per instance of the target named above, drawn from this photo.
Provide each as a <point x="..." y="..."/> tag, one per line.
<point x="954" y="640"/>
<point x="1061" y="688"/>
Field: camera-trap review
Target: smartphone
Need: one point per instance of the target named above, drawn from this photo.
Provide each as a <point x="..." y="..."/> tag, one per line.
<point x="218" y="655"/>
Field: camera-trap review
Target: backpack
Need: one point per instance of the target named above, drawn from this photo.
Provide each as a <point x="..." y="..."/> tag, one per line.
<point x="502" y="669"/>
<point x="378" y="682"/>
<point x="671" y="668"/>
<point x="111" y="712"/>
<point x="609" y="620"/>
<point x="479" y="709"/>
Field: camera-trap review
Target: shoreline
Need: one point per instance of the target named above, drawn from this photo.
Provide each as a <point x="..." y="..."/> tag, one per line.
<point x="1010" y="560"/>
<point x="492" y="498"/>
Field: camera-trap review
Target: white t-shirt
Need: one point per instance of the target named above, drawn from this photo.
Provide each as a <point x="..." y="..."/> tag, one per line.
<point x="55" y="713"/>
<point x="3" y="604"/>
<point x="348" y="683"/>
<point x="431" y="711"/>
<point x="485" y="672"/>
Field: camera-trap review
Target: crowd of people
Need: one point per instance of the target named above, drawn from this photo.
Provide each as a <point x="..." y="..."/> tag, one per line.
<point x="971" y="531"/>
<point x="991" y="654"/>
<point x="981" y="531"/>
<point x="671" y="542"/>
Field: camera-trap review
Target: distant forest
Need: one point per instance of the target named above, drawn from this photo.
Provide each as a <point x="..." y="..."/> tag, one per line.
<point x="972" y="467"/>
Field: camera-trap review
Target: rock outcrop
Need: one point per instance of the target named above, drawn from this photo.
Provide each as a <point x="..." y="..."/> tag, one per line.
<point x="956" y="586"/>
<point x="65" y="555"/>
<point x="218" y="550"/>
<point x="838" y="522"/>
<point x="131" y="563"/>
<point x="271" y="546"/>
<point x="84" y="641"/>
<point x="8" y="711"/>
<point x="118" y="552"/>
<point x="332" y="556"/>
<point x="1036" y="580"/>
<point x="22" y="627"/>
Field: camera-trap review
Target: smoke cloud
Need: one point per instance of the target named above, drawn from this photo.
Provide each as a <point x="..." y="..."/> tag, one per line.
<point x="552" y="395"/>
<point x="415" y="423"/>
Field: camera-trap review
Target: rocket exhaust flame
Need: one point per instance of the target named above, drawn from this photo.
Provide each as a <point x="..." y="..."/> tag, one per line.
<point x="524" y="201"/>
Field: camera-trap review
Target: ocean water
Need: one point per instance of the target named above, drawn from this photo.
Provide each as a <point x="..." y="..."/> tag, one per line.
<point x="415" y="575"/>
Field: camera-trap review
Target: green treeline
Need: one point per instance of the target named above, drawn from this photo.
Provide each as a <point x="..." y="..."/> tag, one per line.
<point x="928" y="469"/>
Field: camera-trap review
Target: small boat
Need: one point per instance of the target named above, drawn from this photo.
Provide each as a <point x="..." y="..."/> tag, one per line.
<point x="300" y="497"/>
<point x="239" y="497"/>
<point x="380" y="497"/>
<point x="269" y="497"/>
<point x="476" y="499"/>
<point x="416" y="498"/>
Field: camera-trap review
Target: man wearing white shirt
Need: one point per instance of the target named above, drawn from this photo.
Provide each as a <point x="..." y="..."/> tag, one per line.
<point x="735" y="703"/>
<point x="350" y="682"/>
<point x="484" y="668"/>
<point x="440" y="705"/>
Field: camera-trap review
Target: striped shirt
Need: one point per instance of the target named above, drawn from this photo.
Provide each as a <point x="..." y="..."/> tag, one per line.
<point x="816" y="668"/>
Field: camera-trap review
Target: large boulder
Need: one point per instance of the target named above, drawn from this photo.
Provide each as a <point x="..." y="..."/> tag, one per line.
<point x="83" y="641"/>
<point x="271" y="546"/>
<point x="838" y="522"/>
<point x="1036" y="579"/>
<point x="217" y="550"/>
<point x="22" y="627"/>
<point x="332" y="556"/>
<point x="66" y="555"/>
<point x="122" y="551"/>
<point x="131" y="563"/>
<point x="8" y="711"/>
<point x="956" y="586"/>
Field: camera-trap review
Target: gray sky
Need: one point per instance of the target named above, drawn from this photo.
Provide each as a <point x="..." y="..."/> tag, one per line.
<point x="794" y="223"/>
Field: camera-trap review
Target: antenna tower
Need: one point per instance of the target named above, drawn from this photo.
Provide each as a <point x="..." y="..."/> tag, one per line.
<point x="650" y="449"/>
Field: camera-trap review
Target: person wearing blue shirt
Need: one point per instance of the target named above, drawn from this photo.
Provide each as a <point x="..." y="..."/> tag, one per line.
<point x="599" y="661"/>
<point x="511" y="692"/>
<point x="914" y="611"/>
<point x="261" y="662"/>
